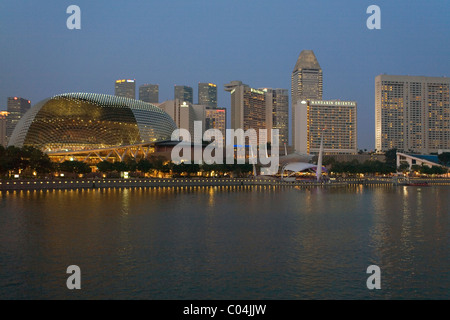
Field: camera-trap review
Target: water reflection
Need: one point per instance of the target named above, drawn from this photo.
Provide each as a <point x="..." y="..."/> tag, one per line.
<point x="237" y="242"/>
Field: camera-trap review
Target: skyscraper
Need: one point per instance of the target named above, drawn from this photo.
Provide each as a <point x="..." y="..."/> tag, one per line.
<point x="17" y="107"/>
<point x="280" y="112"/>
<point x="184" y="93"/>
<point x="126" y="88"/>
<point x="250" y="109"/>
<point x="306" y="82"/>
<point x="412" y="114"/>
<point x="207" y="94"/>
<point x="3" y="126"/>
<point x="184" y="114"/>
<point x="216" y="118"/>
<point x="149" y="93"/>
<point x="334" y="120"/>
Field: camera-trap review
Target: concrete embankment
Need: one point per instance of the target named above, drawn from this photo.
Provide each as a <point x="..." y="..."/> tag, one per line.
<point x="62" y="184"/>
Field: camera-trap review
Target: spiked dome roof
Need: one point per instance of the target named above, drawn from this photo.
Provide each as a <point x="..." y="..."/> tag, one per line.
<point x="307" y="60"/>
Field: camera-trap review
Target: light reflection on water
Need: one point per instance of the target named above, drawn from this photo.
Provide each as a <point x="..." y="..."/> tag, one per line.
<point x="226" y="242"/>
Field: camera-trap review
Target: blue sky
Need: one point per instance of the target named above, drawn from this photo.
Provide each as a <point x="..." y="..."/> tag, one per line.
<point x="185" y="42"/>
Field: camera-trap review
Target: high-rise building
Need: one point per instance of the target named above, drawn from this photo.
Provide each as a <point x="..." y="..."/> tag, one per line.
<point x="280" y="112"/>
<point x="125" y="88"/>
<point x="184" y="93"/>
<point x="184" y="115"/>
<point x="216" y="118"/>
<point x="250" y="109"/>
<point x="149" y="93"/>
<point x="306" y="82"/>
<point x="3" y="126"/>
<point x="207" y="94"/>
<point x="412" y="113"/>
<point x="333" y="120"/>
<point x="17" y="107"/>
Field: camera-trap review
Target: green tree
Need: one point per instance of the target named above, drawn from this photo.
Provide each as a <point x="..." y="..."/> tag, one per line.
<point x="37" y="160"/>
<point x="77" y="167"/>
<point x="121" y="167"/>
<point x="105" y="166"/>
<point x="144" y="166"/>
<point x="391" y="157"/>
<point x="444" y="159"/>
<point x="404" y="166"/>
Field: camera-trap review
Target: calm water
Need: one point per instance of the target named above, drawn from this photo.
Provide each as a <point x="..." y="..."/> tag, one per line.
<point x="226" y="243"/>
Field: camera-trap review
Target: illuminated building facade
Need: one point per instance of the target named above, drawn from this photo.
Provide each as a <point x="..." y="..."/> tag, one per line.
<point x="184" y="115"/>
<point x="250" y="109"/>
<point x="334" y="120"/>
<point x="125" y="88"/>
<point x="412" y="113"/>
<point x="207" y="94"/>
<point x="86" y="121"/>
<point x="184" y="94"/>
<point x="3" y="126"/>
<point x="280" y="112"/>
<point x="149" y="93"/>
<point x="216" y="118"/>
<point x="306" y="82"/>
<point x="17" y="107"/>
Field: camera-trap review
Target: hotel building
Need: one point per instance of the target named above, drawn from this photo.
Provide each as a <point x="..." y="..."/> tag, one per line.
<point x="280" y="112"/>
<point x="334" y="120"/>
<point x="216" y="118"/>
<point x="250" y="109"/>
<point x="412" y="113"/>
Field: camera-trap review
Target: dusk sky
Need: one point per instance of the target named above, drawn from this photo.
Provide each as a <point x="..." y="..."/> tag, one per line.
<point x="185" y="42"/>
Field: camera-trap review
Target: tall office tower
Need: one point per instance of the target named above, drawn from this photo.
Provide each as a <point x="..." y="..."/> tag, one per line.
<point x="149" y="93"/>
<point x="3" y="126"/>
<point x="184" y="114"/>
<point x="306" y="82"/>
<point x="126" y="88"/>
<point x="17" y="107"/>
<point x="184" y="93"/>
<point x="412" y="113"/>
<point x="250" y="109"/>
<point x="216" y="118"/>
<point x="334" y="120"/>
<point x="207" y="94"/>
<point x="280" y="112"/>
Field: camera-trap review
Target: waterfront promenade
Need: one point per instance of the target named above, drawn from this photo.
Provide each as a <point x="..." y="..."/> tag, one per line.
<point x="61" y="184"/>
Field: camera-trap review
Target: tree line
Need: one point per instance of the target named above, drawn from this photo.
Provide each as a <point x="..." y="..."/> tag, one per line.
<point x="31" y="162"/>
<point x="387" y="167"/>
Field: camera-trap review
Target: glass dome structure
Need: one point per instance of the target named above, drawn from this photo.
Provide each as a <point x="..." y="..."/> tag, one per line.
<point x="86" y="121"/>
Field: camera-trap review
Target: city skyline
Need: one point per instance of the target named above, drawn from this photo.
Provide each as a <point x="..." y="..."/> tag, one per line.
<point x="348" y="52"/>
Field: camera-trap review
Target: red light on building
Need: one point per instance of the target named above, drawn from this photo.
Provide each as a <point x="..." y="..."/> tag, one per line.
<point x="15" y="98"/>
